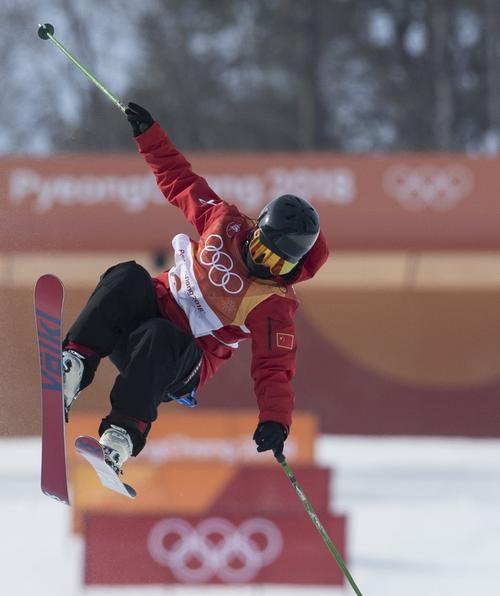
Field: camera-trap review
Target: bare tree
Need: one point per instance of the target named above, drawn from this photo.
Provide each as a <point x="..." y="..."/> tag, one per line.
<point x="443" y="98"/>
<point x="347" y="75"/>
<point x="492" y="41"/>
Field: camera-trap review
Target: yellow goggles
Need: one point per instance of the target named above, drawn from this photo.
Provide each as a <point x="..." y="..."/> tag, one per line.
<point x="264" y="256"/>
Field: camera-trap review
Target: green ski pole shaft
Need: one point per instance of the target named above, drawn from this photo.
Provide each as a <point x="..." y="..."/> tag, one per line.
<point x="319" y="526"/>
<point x="47" y="32"/>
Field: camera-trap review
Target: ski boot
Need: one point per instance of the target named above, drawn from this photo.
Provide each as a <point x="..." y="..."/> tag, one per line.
<point x="73" y="368"/>
<point x="117" y="447"/>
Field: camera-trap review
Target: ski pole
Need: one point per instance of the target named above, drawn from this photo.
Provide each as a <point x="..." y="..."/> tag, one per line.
<point x="319" y="526"/>
<point x="47" y="32"/>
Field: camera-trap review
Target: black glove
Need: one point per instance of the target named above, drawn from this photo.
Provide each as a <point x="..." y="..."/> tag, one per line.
<point x="270" y="435"/>
<point x="140" y="119"/>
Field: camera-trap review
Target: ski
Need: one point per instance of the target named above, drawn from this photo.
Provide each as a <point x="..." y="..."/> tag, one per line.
<point x="48" y="301"/>
<point x="92" y="451"/>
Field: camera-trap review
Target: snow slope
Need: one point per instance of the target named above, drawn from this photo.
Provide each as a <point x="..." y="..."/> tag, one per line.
<point x="424" y="521"/>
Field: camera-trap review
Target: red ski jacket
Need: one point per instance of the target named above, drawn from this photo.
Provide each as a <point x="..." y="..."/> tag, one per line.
<point x="209" y="290"/>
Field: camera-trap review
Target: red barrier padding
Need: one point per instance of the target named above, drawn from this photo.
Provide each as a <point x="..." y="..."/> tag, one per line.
<point x="155" y="549"/>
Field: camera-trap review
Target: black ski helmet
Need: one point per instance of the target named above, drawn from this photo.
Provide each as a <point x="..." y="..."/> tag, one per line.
<point x="289" y="226"/>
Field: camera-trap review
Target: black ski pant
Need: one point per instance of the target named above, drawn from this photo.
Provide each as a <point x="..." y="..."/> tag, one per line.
<point x="154" y="357"/>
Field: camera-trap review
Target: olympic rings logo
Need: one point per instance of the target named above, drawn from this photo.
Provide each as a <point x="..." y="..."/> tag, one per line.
<point x="440" y="188"/>
<point x="215" y="547"/>
<point x="221" y="264"/>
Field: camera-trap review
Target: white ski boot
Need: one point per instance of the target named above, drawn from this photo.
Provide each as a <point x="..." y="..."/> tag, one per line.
<point x="117" y="446"/>
<point x="73" y="367"/>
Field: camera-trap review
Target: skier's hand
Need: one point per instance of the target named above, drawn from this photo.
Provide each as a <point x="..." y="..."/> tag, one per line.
<point x="270" y="435"/>
<point x="140" y="119"/>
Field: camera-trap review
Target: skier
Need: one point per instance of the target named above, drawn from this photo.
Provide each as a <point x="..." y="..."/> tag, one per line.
<point x="168" y="334"/>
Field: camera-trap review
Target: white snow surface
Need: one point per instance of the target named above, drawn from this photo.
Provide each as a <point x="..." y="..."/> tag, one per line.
<point x="424" y="520"/>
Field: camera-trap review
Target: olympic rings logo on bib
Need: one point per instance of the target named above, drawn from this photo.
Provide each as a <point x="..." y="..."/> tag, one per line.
<point x="221" y="264"/>
<point x="213" y="547"/>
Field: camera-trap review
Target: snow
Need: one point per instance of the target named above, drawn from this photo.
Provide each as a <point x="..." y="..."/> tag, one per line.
<point x="424" y="519"/>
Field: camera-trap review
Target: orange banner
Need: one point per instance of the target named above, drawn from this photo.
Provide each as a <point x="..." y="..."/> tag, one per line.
<point x="190" y="488"/>
<point x="183" y="488"/>
<point x="110" y="202"/>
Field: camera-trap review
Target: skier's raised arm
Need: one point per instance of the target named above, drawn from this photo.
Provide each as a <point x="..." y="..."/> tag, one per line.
<point x="173" y="173"/>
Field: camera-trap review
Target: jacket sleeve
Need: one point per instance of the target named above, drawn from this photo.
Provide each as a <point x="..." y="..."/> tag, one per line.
<point x="273" y="358"/>
<point x="175" y="178"/>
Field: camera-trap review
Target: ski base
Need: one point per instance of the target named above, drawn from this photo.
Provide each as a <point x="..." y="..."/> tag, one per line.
<point x="92" y="451"/>
<point x="48" y="299"/>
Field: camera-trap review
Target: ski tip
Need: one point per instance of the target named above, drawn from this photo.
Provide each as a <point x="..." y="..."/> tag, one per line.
<point x="49" y="278"/>
<point x="84" y="444"/>
<point x="84" y="439"/>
